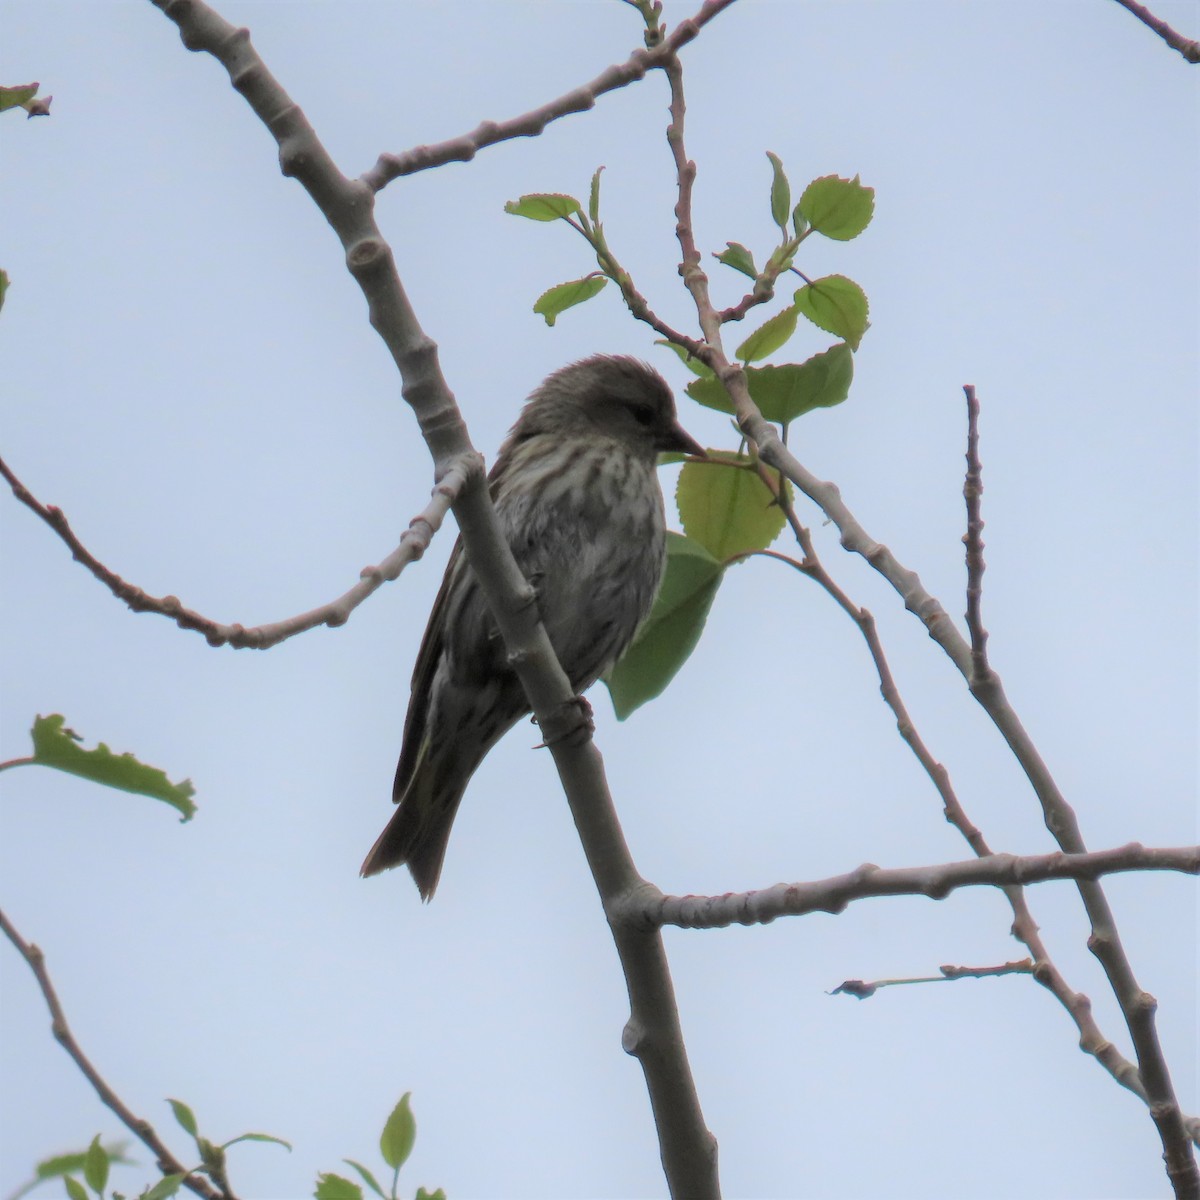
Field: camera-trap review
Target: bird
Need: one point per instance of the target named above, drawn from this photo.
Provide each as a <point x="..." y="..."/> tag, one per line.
<point x="577" y="496"/>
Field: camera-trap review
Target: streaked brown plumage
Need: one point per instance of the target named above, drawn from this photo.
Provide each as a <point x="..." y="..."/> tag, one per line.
<point x="578" y="499"/>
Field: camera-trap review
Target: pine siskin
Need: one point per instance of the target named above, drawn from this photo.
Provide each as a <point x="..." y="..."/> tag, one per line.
<point x="578" y="499"/>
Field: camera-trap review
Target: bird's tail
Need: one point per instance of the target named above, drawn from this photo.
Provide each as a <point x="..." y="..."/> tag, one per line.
<point x="419" y="830"/>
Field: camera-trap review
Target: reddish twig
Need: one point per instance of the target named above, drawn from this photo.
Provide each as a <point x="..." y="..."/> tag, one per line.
<point x="1186" y="46"/>
<point x="531" y="124"/>
<point x="167" y="1163"/>
<point x="413" y="544"/>
<point x="973" y="540"/>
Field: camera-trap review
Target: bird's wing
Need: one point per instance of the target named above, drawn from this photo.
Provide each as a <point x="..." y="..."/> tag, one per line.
<point x="424" y="671"/>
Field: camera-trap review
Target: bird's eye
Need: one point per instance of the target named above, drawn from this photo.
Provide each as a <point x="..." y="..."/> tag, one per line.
<point x="643" y="414"/>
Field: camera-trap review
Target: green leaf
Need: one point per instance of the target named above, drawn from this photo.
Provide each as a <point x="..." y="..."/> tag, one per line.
<point x="566" y="295"/>
<point x="799" y="224"/>
<point x="257" y="1137"/>
<point x="56" y="746"/>
<point x="544" y="206"/>
<point x="62" y="1164"/>
<point x="837" y="305"/>
<point x="693" y="364"/>
<point x="399" y="1134"/>
<point x="781" y="193"/>
<point x="165" y="1188"/>
<point x="75" y="1189"/>
<point x="367" y="1177"/>
<point x="769" y="336"/>
<point x="786" y="392"/>
<point x="839" y="208"/>
<point x="672" y="629"/>
<point x="14" y="97"/>
<point x="422" y="1194"/>
<point x="337" y="1187"/>
<point x="184" y="1115"/>
<point x="736" y="255"/>
<point x="95" y="1166"/>
<point x="594" y="198"/>
<point x="726" y="507"/>
<point x="3" y="286"/>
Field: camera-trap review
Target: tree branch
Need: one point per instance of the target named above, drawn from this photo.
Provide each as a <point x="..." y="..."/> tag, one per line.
<point x="1188" y="48"/>
<point x="488" y="133"/>
<point x="1137" y="1006"/>
<point x="413" y="544"/>
<point x="973" y="540"/>
<point x="834" y="895"/>
<point x="166" y="1162"/>
<point x="1024" y="928"/>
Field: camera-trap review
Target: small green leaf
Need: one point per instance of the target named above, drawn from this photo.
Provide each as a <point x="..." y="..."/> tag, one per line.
<point x="736" y="255"/>
<point x="3" y="286"/>
<point x="367" y="1177"/>
<point x="837" y="305"/>
<point x="75" y="1189"/>
<point x="726" y="507"/>
<point x="799" y="224"/>
<point x="337" y="1187"/>
<point x="399" y="1134"/>
<point x="769" y="336"/>
<point x="165" y="1188"/>
<point x="544" y="206"/>
<point x="63" y="1164"/>
<point x="56" y="746"/>
<point x="184" y="1115"/>
<point x="693" y="364"/>
<point x="781" y="193"/>
<point x="562" y="296"/>
<point x="422" y="1194"/>
<point x="14" y="97"/>
<point x="95" y="1166"/>
<point x="786" y="392"/>
<point x="594" y="198"/>
<point x="257" y="1137"/>
<point x="672" y="629"/>
<point x="839" y="208"/>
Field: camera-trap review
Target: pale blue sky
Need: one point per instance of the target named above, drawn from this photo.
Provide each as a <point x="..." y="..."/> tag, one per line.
<point x="189" y="373"/>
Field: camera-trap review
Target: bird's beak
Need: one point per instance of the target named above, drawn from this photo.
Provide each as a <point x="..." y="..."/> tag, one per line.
<point x="677" y="438"/>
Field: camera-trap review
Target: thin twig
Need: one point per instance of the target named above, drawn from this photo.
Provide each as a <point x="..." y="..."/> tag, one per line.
<point x="1188" y="48"/>
<point x="166" y="1162"/>
<point x="488" y="133"/>
<point x="413" y="544"/>
<point x="973" y="540"/>
<point x="862" y="989"/>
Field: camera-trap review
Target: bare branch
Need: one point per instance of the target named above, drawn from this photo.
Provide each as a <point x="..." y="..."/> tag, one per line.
<point x="973" y="540"/>
<point x="1024" y="928"/>
<point x="1137" y="1006"/>
<point x="862" y="989"/>
<point x="166" y="1162"/>
<point x="488" y="133"/>
<point x="1188" y="48"/>
<point x="869" y="881"/>
<point x="413" y="545"/>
